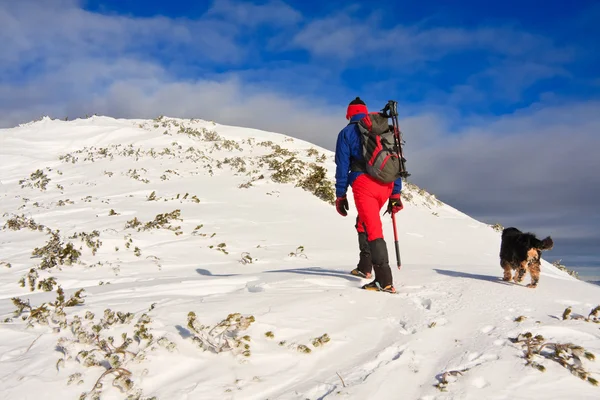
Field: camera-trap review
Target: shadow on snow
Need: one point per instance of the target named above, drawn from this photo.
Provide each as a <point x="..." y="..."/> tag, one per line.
<point x="456" y="274"/>
<point x="318" y="271"/>
<point x="206" y="272"/>
<point x="313" y="271"/>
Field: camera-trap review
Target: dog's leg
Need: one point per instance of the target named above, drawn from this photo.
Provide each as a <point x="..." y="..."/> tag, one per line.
<point x="507" y="271"/>
<point x="534" y="271"/>
<point x="521" y="271"/>
<point x="533" y="264"/>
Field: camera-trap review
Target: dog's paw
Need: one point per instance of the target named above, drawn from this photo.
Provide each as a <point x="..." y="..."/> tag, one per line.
<point x="519" y="277"/>
<point x="532" y="285"/>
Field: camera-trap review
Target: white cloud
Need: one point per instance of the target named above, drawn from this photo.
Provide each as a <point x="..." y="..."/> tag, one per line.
<point x="537" y="163"/>
<point x="43" y="34"/>
<point x="507" y="80"/>
<point x="347" y="37"/>
<point x="130" y="88"/>
<point x="274" y="12"/>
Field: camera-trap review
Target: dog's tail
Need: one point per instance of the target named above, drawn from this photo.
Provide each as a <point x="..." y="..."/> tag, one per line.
<point x="546" y="244"/>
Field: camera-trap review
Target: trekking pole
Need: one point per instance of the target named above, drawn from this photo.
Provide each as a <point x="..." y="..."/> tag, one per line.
<point x="391" y="111"/>
<point x="396" y="241"/>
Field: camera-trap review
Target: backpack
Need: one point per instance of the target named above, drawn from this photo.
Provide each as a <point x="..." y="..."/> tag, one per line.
<point x="381" y="155"/>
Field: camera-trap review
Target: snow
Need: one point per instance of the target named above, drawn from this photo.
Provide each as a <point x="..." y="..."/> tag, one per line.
<point x="452" y="312"/>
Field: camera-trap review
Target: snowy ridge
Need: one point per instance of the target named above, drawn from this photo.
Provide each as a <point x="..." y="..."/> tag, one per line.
<point x="176" y="216"/>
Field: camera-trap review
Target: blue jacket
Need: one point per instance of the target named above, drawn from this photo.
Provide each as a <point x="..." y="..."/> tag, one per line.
<point x="347" y="149"/>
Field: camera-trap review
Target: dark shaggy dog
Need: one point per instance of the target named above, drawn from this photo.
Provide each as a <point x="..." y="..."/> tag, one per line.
<point x="522" y="252"/>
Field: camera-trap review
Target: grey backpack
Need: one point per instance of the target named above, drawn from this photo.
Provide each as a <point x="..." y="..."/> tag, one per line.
<point x="381" y="158"/>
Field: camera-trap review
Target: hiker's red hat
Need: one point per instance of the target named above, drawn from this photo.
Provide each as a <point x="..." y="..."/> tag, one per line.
<point x="356" y="106"/>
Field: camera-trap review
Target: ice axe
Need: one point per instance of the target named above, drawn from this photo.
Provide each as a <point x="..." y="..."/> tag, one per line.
<point x="395" y="238"/>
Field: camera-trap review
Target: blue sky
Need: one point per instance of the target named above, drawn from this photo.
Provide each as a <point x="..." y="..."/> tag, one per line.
<point x="525" y="50"/>
<point x="500" y="102"/>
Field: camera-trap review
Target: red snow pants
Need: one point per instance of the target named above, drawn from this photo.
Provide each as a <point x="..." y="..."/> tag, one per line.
<point x="370" y="196"/>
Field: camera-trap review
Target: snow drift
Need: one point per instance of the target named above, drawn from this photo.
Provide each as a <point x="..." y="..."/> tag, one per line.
<point x="213" y="265"/>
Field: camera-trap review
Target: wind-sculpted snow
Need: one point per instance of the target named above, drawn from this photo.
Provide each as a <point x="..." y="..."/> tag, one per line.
<point x="183" y="259"/>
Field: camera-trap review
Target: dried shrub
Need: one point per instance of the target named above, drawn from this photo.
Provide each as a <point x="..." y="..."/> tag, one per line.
<point x="287" y="170"/>
<point x="248" y="184"/>
<point x="134" y="174"/>
<point x="18" y="222"/>
<point x="593" y="316"/>
<point x="568" y="355"/>
<point x="497" y="227"/>
<point x="237" y="163"/>
<point x="448" y="377"/>
<point x="56" y="252"/>
<point x="302" y="348"/>
<point x="224" y="336"/>
<point x="48" y="314"/>
<point x="47" y="285"/>
<point x="321" y="340"/>
<point x="312" y="152"/>
<point x="247" y="258"/>
<point x="92" y="345"/>
<point x="161" y="221"/>
<point x="557" y="264"/>
<point x="299" y="252"/>
<point x="37" y="179"/>
<point x="317" y="183"/>
<point x="220" y="247"/>
<point x="90" y="239"/>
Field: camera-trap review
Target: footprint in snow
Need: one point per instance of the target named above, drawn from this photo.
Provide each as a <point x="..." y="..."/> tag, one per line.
<point x="479" y="383"/>
<point x="357" y="374"/>
<point x="406" y="329"/>
<point x="487" y="329"/>
<point x="423" y="303"/>
<point x="361" y="372"/>
<point x="253" y="287"/>
<point x="472" y="360"/>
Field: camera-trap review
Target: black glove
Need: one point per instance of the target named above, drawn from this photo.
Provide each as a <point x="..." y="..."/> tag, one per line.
<point x="341" y="205"/>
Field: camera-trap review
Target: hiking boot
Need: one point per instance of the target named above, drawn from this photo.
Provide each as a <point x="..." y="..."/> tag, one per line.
<point x="358" y="272"/>
<point x="381" y="266"/>
<point x="374" y="286"/>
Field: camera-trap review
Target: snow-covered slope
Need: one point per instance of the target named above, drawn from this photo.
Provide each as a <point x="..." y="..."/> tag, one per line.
<point x="185" y="216"/>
